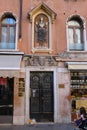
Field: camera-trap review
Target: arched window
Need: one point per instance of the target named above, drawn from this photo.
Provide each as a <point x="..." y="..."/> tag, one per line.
<point x="75" y="34"/>
<point x="7" y="32"/>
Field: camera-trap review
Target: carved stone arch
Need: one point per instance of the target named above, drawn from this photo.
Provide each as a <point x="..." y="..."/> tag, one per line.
<point x="8" y="14"/>
<point x="79" y="17"/>
<point x="43" y="7"/>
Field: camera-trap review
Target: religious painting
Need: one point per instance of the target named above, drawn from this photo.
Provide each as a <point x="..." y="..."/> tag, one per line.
<point x="41" y="31"/>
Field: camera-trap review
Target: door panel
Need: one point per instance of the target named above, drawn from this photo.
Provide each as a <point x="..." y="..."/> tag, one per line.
<point x="41" y="100"/>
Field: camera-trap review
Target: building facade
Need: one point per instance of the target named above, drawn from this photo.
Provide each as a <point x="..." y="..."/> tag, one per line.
<point x="43" y="60"/>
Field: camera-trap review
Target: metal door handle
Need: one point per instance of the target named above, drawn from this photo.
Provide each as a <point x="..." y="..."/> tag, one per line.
<point x="33" y="92"/>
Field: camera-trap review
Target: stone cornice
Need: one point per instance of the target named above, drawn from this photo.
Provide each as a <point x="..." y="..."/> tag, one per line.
<point x="72" y="56"/>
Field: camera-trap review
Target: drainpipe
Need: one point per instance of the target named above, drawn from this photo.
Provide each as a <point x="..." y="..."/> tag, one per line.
<point x="20" y="21"/>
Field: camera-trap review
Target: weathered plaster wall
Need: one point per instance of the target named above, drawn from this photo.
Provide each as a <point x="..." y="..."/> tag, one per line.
<point x="18" y="113"/>
<point x="64" y="94"/>
<point x="63" y="8"/>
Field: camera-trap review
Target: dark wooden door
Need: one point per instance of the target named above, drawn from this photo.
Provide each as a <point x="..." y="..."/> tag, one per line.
<point x="41" y="100"/>
<point x="6" y="100"/>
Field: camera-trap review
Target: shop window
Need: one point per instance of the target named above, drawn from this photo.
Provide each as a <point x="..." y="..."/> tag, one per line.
<point x="6" y="97"/>
<point x="78" y="91"/>
<point x="76" y="38"/>
<point x="7" y="31"/>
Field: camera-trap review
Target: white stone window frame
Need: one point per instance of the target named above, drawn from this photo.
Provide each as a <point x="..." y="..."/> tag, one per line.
<point x="84" y="33"/>
<point x="49" y="49"/>
<point x="16" y="36"/>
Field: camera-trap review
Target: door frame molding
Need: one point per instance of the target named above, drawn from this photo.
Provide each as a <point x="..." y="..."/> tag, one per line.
<point x="27" y="90"/>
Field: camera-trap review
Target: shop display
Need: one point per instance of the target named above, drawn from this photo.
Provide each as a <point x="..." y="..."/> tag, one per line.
<point x="78" y="91"/>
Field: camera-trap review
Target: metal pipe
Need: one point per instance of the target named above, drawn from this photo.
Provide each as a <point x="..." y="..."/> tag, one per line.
<point x="20" y="21"/>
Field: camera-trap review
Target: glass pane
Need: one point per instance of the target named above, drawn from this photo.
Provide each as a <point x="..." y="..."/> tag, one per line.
<point x="78" y="38"/>
<point x="12" y="35"/>
<point x="73" y="23"/>
<point x="8" y="21"/>
<point x="4" y="34"/>
<point x="71" y="40"/>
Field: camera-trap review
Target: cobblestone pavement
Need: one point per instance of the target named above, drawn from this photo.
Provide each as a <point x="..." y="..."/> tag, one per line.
<point x="60" y="126"/>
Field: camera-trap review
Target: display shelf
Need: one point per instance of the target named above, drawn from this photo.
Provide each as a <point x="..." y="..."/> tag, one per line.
<point x="78" y="88"/>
